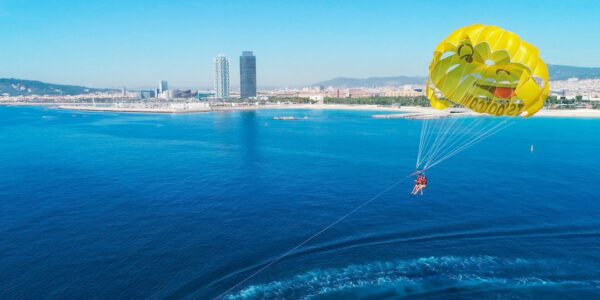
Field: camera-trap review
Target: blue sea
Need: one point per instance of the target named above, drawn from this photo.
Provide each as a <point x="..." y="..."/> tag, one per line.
<point x="138" y="206"/>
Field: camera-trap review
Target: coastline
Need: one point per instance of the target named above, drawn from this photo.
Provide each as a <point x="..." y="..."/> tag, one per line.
<point x="551" y="113"/>
<point x="355" y="107"/>
<point x="150" y="110"/>
<point x="568" y="113"/>
<point x="203" y="108"/>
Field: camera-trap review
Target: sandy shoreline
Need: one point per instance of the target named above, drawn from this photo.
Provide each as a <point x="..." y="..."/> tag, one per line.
<point x="162" y="110"/>
<point x="411" y="109"/>
<point x="568" y="113"/>
<point x="571" y="113"/>
<point x="555" y="113"/>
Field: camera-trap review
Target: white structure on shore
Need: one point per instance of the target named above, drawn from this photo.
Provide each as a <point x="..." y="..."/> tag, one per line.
<point x="221" y="77"/>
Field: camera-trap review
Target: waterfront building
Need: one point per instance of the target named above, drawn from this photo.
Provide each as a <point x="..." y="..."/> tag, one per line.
<point x="163" y="86"/>
<point x="146" y="94"/>
<point x="182" y="94"/>
<point x="169" y="94"/>
<point x="203" y="95"/>
<point x="221" y="77"/>
<point x="247" y="75"/>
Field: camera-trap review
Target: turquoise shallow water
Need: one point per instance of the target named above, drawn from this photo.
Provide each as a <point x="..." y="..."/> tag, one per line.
<point x="97" y="205"/>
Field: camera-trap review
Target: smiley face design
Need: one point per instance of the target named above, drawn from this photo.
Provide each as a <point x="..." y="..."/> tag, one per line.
<point x="488" y="70"/>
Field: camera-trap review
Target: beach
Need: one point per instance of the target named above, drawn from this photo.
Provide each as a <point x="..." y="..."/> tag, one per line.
<point x="202" y="107"/>
<point x="569" y="113"/>
<point x="564" y="113"/>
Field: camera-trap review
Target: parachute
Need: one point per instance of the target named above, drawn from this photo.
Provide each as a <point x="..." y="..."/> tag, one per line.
<point x="491" y="76"/>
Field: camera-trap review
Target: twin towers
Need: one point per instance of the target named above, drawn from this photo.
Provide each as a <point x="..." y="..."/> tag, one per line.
<point x="247" y="76"/>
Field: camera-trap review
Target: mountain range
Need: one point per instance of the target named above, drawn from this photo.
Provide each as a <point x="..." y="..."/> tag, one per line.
<point x="21" y="87"/>
<point x="557" y="72"/>
<point x="561" y="72"/>
<point x="346" y="82"/>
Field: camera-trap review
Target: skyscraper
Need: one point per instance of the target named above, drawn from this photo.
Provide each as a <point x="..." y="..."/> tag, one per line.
<point x="247" y="75"/>
<point x="163" y="85"/>
<point x="221" y="77"/>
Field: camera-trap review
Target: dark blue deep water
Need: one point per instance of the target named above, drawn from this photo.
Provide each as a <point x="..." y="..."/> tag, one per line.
<point x="121" y="206"/>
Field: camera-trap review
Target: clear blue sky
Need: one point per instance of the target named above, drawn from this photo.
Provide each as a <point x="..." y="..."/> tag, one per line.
<point x="107" y="43"/>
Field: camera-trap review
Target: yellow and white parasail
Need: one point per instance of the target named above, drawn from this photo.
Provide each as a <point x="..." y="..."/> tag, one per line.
<point x="488" y="70"/>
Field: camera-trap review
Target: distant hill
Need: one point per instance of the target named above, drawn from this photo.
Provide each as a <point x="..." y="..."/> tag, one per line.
<point x="560" y="72"/>
<point x="557" y="72"/>
<point x="20" y="87"/>
<point x="345" y="82"/>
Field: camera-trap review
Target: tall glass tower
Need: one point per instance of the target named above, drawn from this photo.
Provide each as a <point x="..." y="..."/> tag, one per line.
<point x="163" y="85"/>
<point x="247" y="75"/>
<point x="221" y="77"/>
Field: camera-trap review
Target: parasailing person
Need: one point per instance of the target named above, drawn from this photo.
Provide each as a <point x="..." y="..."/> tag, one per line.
<point x="485" y="77"/>
<point x="420" y="183"/>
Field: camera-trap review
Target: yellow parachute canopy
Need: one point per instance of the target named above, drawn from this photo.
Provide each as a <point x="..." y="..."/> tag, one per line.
<point x="488" y="70"/>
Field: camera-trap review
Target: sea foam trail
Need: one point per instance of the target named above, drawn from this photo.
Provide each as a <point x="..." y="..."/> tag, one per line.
<point x="422" y="276"/>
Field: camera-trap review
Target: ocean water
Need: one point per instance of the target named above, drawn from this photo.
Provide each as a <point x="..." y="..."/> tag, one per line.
<point x="135" y="206"/>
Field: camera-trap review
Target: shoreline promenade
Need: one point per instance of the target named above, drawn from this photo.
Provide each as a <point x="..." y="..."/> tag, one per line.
<point x="191" y="107"/>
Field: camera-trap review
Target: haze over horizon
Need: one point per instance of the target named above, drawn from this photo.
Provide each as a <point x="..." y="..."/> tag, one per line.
<point x="137" y="43"/>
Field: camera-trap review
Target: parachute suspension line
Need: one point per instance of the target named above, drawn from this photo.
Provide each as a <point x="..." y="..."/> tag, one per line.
<point x="469" y="134"/>
<point x="426" y="134"/>
<point x="441" y="134"/>
<point x="456" y="135"/>
<point x="430" y="133"/>
<point x="445" y="138"/>
<point x="439" y="137"/>
<point x="445" y="133"/>
<point x="432" y="137"/>
<point x="427" y="138"/>
<point x="421" y="139"/>
<point x="446" y="129"/>
<point x="440" y="131"/>
<point x="495" y="129"/>
<point x="486" y="134"/>
<point x="459" y="136"/>
<point x="453" y="135"/>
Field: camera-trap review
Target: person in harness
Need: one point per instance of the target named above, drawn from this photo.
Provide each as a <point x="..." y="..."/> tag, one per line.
<point x="420" y="184"/>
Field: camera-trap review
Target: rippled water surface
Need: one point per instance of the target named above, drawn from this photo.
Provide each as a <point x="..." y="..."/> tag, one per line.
<point x="97" y="205"/>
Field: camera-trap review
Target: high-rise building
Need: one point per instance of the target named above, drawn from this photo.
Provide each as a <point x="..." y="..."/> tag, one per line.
<point x="163" y="86"/>
<point x="247" y="75"/>
<point x="221" y="77"/>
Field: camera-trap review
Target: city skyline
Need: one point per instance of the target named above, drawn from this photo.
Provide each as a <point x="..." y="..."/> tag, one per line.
<point x="51" y="41"/>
